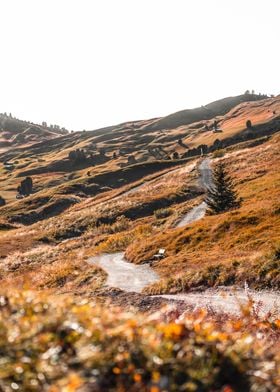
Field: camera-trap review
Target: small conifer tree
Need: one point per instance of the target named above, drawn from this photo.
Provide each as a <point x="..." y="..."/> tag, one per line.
<point x="221" y="196"/>
<point x="248" y="124"/>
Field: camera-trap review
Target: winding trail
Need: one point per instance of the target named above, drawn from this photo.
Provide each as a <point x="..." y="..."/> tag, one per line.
<point x="205" y="181"/>
<point x="134" y="278"/>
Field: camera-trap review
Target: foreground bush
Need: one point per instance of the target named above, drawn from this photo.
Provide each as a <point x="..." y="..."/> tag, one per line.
<point x="50" y="344"/>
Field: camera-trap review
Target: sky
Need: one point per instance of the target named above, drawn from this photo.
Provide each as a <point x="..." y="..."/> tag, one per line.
<point x="85" y="64"/>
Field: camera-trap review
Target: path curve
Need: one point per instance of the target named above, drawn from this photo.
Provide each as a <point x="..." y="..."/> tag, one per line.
<point x="123" y="275"/>
<point x="131" y="277"/>
<point x="134" y="278"/>
<point x="205" y="182"/>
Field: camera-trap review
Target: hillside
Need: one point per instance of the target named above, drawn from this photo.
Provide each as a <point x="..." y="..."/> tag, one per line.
<point x="115" y="148"/>
<point x="207" y="112"/>
<point x="18" y="133"/>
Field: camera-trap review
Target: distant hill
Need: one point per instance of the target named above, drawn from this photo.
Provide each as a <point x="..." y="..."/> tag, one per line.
<point x="15" y="132"/>
<point x="213" y="109"/>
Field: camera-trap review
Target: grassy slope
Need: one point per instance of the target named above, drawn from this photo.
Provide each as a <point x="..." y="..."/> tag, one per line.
<point x="227" y="248"/>
<point x="207" y="112"/>
<point x="23" y="134"/>
<point x="36" y="251"/>
<point x="49" y="158"/>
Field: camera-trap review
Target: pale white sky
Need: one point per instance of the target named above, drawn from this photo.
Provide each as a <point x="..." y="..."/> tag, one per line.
<point x="85" y="64"/>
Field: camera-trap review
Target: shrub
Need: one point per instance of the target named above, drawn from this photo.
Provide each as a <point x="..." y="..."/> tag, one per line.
<point x="131" y="160"/>
<point x="26" y="186"/>
<point x="77" y="156"/>
<point x="67" y="344"/>
<point x="218" y="153"/>
<point x="162" y="213"/>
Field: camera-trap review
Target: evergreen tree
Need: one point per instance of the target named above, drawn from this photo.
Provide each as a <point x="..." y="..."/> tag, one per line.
<point x="26" y="186"/>
<point x="249" y="124"/>
<point x="215" y="125"/>
<point x="221" y="196"/>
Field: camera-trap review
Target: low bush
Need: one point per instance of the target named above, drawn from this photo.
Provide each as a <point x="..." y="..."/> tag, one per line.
<point x="219" y="153"/>
<point x="162" y="213"/>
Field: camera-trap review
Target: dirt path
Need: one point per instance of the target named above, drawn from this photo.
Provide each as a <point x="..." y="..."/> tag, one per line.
<point x="230" y="300"/>
<point x="205" y="181"/>
<point x="133" y="278"/>
<point x="123" y="275"/>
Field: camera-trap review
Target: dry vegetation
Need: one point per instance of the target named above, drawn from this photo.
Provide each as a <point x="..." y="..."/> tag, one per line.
<point x="64" y="344"/>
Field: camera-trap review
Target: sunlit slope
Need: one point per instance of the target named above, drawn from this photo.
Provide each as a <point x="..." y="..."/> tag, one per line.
<point x="19" y="133"/>
<point x="207" y="112"/>
<point x="136" y="142"/>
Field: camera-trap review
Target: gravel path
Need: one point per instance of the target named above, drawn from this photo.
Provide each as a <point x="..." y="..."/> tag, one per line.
<point x="205" y="181"/>
<point x="123" y="275"/>
<point x="230" y="300"/>
<point x="133" y="278"/>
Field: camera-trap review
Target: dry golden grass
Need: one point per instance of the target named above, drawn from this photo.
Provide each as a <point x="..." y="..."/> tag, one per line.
<point x="242" y="236"/>
<point x="259" y="112"/>
<point x="27" y="260"/>
<point x="64" y="342"/>
<point x="59" y="268"/>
